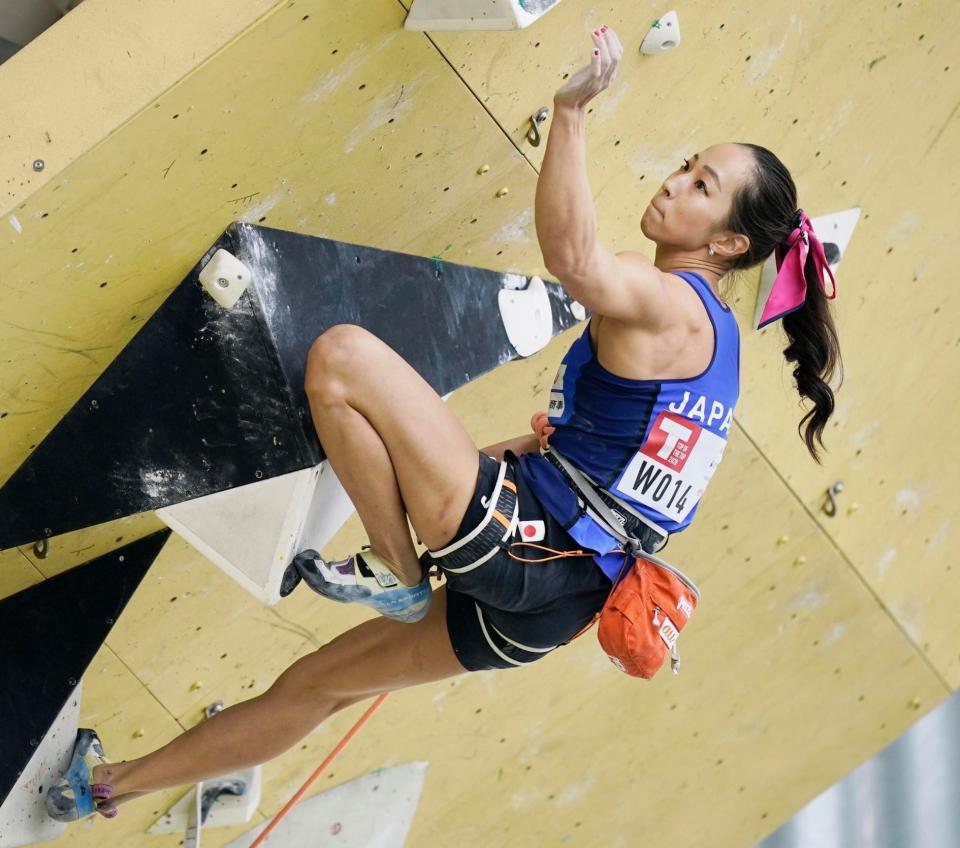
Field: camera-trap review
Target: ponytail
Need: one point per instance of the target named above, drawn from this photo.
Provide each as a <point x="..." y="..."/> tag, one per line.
<point x="815" y="349"/>
<point x="765" y="209"/>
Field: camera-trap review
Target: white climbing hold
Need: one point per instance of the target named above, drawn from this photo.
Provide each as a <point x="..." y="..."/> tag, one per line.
<point x="476" y="14"/>
<point x="228" y="810"/>
<point x="527" y="316"/>
<point x="23" y="815"/>
<point x="225" y="278"/>
<point x="664" y="35"/>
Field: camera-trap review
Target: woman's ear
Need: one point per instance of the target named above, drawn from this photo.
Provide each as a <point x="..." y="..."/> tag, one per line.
<point x="731" y="246"/>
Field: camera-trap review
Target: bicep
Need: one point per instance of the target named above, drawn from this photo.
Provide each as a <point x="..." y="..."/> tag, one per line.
<point x="625" y="286"/>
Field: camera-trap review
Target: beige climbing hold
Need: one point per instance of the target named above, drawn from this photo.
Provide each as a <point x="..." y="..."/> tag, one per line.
<point x="196" y="685"/>
<point x="800" y="560"/>
<point x="853" y="508"/>
<point x="914" y="704"/>
<point x="139" y="734"/>
<point x="503" y="191"/>
<point x="483" y="169"/>
<point x="783" y="540"/>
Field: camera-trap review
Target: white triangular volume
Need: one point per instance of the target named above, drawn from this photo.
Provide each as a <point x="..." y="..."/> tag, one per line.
<point x="834" y="229"/>
<point x="663" y="35"/>
<point x="329" y="510"/>
<point x="374" y="811"/>
<point x="476" y="14"/>
<point x="23" y="815"/>
<point x="249" y="531"/>
<point x="527" y="316"/>
<point x="227" y="810"/>
<point x="253" y="532"/>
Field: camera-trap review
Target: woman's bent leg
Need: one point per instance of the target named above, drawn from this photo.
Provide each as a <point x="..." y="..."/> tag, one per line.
<point x="377" y="656"/>
<point x="395" y="446"/>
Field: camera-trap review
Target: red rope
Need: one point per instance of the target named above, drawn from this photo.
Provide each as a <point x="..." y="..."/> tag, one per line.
<point x="320" y="770"/>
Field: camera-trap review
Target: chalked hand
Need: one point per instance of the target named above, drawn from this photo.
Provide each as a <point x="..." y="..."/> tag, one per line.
<point x="589" y="81"/>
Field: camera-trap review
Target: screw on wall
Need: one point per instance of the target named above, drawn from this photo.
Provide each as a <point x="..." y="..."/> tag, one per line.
<point x="830" y="505"/>
<point x="537" y="118"/>
<point x="41" y="549"/>
<point x="38" y="165"/>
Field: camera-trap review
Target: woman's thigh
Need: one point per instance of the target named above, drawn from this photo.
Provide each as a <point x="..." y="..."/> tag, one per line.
<point x="433" y="456"/>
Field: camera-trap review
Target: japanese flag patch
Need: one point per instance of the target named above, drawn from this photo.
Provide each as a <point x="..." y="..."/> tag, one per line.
<point x="532" y="531"/>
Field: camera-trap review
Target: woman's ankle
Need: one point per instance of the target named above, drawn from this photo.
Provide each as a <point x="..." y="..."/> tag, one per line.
<point x="106" y="774"/>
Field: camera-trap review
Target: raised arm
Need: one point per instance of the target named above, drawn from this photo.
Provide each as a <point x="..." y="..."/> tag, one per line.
<point x="626" y="286"/>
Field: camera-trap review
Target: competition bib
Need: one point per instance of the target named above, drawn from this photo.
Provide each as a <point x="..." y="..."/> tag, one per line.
<point x="557" y="406"/>
<point x="671" y="470"/>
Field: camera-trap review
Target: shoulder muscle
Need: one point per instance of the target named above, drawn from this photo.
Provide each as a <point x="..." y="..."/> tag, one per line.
<point x="628" y="287"/>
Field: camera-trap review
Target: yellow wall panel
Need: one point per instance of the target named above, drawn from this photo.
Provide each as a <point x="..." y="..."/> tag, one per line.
<point x="82" y="546"/>
<point x="122" y="56"/>
<point x="16" y="573"/>
<point x="206" y="638"/>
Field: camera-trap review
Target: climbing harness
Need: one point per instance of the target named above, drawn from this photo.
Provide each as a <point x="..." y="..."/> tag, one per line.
<point x="634" y="531"/>
<point x="490" y="535"/>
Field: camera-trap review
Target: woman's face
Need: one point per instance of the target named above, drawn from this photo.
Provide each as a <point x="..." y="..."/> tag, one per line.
<point x="687" y="211"/>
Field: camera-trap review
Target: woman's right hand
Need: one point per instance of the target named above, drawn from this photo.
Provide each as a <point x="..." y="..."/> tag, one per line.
<point x="540" y="424"/>
<point x="589" y="81"/>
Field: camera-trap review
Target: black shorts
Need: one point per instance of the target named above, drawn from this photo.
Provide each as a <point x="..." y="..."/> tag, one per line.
<point x="506" y="614"/>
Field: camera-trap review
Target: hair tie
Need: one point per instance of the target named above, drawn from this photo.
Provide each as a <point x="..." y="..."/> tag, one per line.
<point x="789" y="289"/>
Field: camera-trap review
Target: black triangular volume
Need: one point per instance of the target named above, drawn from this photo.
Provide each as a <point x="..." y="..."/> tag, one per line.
<point x="204" y="399"/>
<point x="49" y="633"/>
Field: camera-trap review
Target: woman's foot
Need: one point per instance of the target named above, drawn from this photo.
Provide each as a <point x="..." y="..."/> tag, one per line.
<point x="77" y="794"/>
<point x="362" y="578"/>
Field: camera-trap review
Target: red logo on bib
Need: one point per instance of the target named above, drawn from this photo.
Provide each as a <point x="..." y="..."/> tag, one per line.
<point x="671" y="439"/>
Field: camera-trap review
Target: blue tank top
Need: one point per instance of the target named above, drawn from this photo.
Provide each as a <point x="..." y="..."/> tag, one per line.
<point x="654" y="444"/>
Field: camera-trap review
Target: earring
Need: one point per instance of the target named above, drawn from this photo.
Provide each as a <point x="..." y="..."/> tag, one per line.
<point x="711" y="251"/>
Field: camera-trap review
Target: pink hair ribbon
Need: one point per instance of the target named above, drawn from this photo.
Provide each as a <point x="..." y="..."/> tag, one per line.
<point x="789" y="289"/>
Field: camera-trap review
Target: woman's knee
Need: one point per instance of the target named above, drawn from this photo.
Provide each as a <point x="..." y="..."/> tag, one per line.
<point x="335" y="353"/>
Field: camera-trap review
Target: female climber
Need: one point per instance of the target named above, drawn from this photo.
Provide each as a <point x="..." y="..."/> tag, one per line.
<point x="642" y="405"/>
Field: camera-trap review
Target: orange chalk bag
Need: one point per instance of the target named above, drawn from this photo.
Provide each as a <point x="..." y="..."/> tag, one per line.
<point x="641" y="620"/>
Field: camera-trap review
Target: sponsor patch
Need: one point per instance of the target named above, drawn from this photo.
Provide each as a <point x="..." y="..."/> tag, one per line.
<point x="673" y="466"/>
<point x="669" y="632"/>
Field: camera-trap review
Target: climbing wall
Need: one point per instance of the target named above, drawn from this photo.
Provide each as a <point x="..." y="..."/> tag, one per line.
<point x="818" y="640"/>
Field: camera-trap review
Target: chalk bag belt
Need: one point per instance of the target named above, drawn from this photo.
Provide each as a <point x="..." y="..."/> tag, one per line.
<point x="637" y="533"/>
<point x="488" y="537"/>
